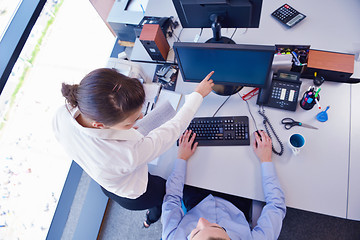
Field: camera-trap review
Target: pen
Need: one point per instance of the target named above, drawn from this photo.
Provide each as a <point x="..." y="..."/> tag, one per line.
<point x="147" y="108"/>
<point x="296" y="59"/>
<point x="308" y="95"/>
<point x="156" y="97"/>
<point x="142" y="8"/>
<point x="317" y="102"/>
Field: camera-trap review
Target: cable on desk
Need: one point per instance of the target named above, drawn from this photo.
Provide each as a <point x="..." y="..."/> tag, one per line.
<point x="266" y="122"/>
<point x="241" y="33"/>
<point x="233" y="33"/>
<point x="178" y="39"/>
<point x="173" y="25"/>
<point x="252" y="116"/>
<point x="180" y="34"/>
<point x="221" y="105"/>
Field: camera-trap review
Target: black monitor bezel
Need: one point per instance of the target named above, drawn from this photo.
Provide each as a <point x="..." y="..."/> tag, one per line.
<point x="266" y="48"/>
<point x="254" y="21"/>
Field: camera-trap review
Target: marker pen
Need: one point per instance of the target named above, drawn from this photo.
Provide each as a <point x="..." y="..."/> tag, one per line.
<point x="317" y="102"/>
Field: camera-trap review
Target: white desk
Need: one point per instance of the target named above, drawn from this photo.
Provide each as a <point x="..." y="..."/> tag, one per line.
<point x="354" y="167"/>
<point x="324" y="177"/>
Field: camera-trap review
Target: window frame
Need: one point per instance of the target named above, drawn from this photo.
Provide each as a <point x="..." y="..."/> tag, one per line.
<point x="92" y="210"/>
<point x="16" y="35"/>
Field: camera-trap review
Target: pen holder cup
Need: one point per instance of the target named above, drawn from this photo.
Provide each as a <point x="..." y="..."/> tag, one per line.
<point x="308" y="100"/>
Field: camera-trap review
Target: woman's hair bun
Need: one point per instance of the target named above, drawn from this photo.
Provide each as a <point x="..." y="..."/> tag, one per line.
<point x="70" y="92"/>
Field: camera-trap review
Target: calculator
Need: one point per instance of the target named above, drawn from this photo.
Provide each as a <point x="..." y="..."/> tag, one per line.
<point x="288" y="15"/>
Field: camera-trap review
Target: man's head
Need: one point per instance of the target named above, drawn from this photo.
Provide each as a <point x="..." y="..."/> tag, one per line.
<point x="208" y="231"/>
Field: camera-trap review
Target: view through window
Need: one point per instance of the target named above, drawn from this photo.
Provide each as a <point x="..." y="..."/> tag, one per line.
<point x="68" y="40"/>
<point x="7" y="11"/>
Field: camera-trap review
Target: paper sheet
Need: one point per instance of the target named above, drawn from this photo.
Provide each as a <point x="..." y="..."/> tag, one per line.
<point x="158" y="116"/>
<point x="171" y="96"/>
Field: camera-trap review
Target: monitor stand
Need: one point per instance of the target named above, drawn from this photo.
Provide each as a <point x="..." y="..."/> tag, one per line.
<point x="226" y="90"/>
<point x="223" y="90"/>
<point x="216" y="28"/>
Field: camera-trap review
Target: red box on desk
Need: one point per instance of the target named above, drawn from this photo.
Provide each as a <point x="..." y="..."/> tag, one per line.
<point x="154" y="41"/>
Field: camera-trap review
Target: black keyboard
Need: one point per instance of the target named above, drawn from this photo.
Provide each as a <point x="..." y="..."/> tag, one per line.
<point x="221" y="131"/>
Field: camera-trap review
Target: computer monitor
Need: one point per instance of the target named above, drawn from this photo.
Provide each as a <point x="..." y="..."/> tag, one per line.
<point x="217" y="14"/>
<point x="235" y="65"/>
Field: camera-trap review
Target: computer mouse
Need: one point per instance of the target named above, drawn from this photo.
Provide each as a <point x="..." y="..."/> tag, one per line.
<point x="258" y="133"/>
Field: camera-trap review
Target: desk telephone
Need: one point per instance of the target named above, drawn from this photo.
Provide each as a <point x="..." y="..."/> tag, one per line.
<point x="282" y="92"/>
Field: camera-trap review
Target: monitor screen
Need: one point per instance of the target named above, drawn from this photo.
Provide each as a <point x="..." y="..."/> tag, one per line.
<point x="234" y="64"/>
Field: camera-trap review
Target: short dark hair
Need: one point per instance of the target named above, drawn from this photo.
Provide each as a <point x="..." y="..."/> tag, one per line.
<point x="105" y="95"/>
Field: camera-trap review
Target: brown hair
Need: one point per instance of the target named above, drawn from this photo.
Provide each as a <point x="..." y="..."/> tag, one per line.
<point x="105" y="95"/>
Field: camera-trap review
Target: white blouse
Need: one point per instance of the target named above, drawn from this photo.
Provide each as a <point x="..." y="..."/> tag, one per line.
<point x="117" y="159"/>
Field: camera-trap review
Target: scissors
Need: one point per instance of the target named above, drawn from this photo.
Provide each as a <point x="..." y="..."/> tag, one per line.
<point x="289" y="123"/>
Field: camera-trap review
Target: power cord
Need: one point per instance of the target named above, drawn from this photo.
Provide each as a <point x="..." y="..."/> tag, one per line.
<point x="252" y="116"/>
<point x="173" y="25"/>
<point x="233" y="33"/>
<point x="267" y="123"/>
<point x="236" y="30"/>
<point x="221" y="105"/>
<point x="180" y="34"/>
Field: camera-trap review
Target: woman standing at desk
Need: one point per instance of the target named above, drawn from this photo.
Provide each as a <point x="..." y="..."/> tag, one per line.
<point x="96" y="128"/>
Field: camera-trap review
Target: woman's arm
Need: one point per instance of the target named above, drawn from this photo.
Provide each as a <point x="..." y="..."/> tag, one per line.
<point x="162" y="138"/>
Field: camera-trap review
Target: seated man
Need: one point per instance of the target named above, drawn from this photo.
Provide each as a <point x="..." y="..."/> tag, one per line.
<point x="217" y="218"/>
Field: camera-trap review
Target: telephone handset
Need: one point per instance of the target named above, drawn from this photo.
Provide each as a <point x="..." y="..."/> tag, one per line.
<point x="263" y="95"/>
<point x="282" y="92"/>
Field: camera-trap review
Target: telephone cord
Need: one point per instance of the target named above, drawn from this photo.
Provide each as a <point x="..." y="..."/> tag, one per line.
<point x="267" y="122"/>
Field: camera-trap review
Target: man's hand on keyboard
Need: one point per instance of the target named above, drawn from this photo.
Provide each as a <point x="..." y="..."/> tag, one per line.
<point x="186" y="148"/>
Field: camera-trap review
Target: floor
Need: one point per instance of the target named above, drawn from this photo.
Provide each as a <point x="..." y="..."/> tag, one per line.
<point x="120" y="223"/>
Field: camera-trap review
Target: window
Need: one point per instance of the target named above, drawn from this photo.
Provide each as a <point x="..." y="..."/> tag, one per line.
<point x="61" y="44"/>
<point x="15" y="33"/>
<point x="7" y="12"/>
